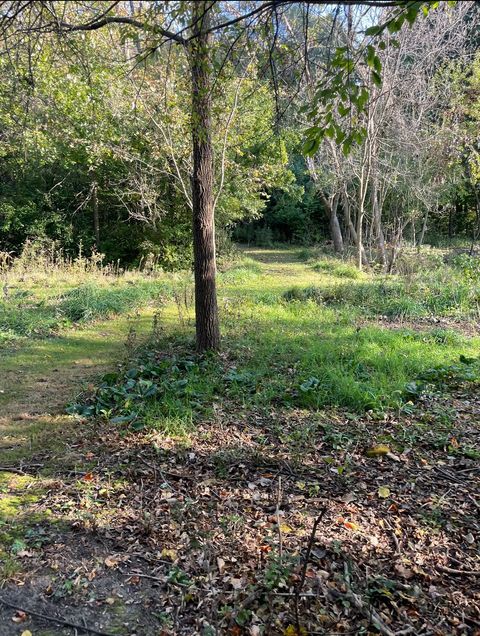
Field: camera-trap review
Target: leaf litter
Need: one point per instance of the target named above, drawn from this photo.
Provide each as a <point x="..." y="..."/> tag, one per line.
<point x="210" y="534"/>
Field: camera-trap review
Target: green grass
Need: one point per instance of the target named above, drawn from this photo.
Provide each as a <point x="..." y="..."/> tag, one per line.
<point x="25" y="315"/>
<point x="442" y="292"/>
<point x="284" y="345"/>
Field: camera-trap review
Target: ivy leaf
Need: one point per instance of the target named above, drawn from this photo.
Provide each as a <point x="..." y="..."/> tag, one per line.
<point x="377" y="78"/>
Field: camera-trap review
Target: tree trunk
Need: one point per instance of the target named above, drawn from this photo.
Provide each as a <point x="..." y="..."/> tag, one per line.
<point x="335" y="227"/>
<point x="352" y="230"/>
<point x="424" y="229"/>
<point x="377" y="224"/>
<point x="331" y="206"/>
<point x="206" y="309"/>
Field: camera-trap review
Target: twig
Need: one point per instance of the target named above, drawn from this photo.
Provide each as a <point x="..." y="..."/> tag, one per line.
<point x="369" y="612"/>
<point x="301" y="582"/>
<point x="156" y="469"/>
<point x="395" y="539"/>
<point x="444" y="568"/>
<point x="9" y="469"/>
<point x="279" y="527"/>
<point x="54" y="619"/>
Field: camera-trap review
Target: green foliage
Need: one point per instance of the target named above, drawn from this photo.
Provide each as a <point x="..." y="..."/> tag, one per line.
<point x="449" y="291"/>
<point x="337" y="269"/>
<point x="286" y="346"/>
<point x="443" y="376"/>
<point x="89" y="127"/>
<point x="44" y="292"/>
<point x="338" y="107"/>
<point x="151" y="391"/>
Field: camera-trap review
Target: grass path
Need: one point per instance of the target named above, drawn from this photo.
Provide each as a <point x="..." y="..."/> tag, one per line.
<point x="39" y="378"/>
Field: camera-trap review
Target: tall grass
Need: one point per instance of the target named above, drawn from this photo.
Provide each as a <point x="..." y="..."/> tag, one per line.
<point x="43" y="291"/>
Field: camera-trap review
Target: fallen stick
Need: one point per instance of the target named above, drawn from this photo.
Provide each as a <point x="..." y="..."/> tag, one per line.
<point x="10" y="469"/>
<point x="54" y="619"/>
<point x="369" y="612"/>
<point x="444" y="568"/>
<point x="301" y="582"/>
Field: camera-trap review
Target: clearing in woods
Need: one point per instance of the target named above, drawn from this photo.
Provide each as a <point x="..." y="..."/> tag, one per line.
<point x="340" y="404"/>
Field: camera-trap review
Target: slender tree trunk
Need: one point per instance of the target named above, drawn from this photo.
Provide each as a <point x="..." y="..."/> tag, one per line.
<point x="424" y="229"/>
<point x="335" y="227"/>
<point x="331" y="206"/>
<point x="96" y="218"/>
<point x="377" y="223"/>
<point x="206" y="309"/>
<point x="360" y="215"/>
<point x="352" y="230"/>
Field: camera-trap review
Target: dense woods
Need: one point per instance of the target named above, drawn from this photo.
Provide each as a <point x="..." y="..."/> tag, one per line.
<point x="95" y="132"/>
<point x="239" y="317"/>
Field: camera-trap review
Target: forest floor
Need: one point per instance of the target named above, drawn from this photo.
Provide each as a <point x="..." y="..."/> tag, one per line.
<point x="288" y="486"/>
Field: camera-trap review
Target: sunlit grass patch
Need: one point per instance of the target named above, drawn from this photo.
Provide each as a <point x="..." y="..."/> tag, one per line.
<point x="337" y="268"/>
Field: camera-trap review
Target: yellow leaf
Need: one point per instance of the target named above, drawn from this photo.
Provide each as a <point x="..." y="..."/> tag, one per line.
<point x="378" y="451"/>
<point x="291" y="630"/>
<point x="168" y="553"/>
<point x="351" y="526"/>
<point x="384" y="492"/>
<point x="285" y="528"/>
<point x="27" y="632"/>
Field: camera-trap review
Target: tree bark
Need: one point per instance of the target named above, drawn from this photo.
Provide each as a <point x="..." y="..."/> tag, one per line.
<point x="331" y="206"/>
<point x="335" y="228"/>
<point x="424" y="229"/>
<point x="352" y="230"/>
<point x="377" y="222"/>
<point x="206" y="308"/>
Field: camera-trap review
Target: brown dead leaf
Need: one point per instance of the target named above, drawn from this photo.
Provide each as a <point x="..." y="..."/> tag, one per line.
<point x="111" y="561"/>
<point x="19" y="617"/>
<point x="220" y="565"/>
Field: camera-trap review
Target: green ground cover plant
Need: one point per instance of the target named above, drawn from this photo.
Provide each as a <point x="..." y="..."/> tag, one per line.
<point x="287" y="346"/>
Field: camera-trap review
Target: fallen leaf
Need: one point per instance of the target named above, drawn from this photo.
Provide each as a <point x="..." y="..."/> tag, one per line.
<point x="19" y="617"/>
<point x="220" y="565"/>
<point x="351" y="526"/>
<point x="404" y="572"/>
<point x="285" y="528"/>
<point x="169" y="553"/>
<point x="111" y="561"/>
<point x="384" y="492"/>
<point x="110" y="600"/>
<point x="378" y="451"/>
<point x="27" y="632"/>
<point x="88" y="477"/>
